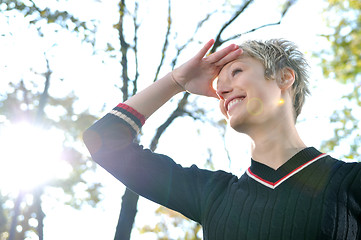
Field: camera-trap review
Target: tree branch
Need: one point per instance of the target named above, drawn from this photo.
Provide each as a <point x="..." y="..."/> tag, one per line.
<point x="135" y="48"/>
<point x="44" y="96"/>
<point x="179" y="111"/>
<point x="166" y="41"/>
<point x="124" y="46"/>
<point x="181" y="48"/>
<point x="284" y="11"/>
<point x="252" y="30"/>
<point x="218" y="40"/>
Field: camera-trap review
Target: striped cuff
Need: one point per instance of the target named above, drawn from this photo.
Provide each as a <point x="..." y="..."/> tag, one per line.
<point x="131" y="116"/>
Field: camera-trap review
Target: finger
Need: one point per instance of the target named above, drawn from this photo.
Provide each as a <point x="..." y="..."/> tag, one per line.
<point x="230" y="57"/>
<point x="212" y="93"/>
<point x="215" y="57"/>
<point x="212" y="90"/>
<point x="205" y="49"/>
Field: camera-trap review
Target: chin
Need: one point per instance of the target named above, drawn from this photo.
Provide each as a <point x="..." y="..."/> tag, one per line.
<point x="240" y="129"/>
<point x="237" y="124"/>
<point x="245" y="123"/>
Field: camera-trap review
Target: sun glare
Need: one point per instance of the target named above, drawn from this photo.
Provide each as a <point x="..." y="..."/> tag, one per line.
<point x="281" y="101"/>
<point x="29" y="156"/>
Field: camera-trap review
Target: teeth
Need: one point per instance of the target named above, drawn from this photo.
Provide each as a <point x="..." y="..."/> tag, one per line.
<point x="234" y="101"/>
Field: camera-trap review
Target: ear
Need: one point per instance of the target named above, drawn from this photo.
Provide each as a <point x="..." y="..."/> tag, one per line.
<point x="287" y="78"/>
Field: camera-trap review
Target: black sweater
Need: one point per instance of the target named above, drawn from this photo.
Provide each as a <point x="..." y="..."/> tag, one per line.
<point x="311" y="196"/>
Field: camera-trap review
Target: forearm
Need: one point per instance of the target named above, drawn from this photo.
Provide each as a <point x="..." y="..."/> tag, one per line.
<point x="149" y="100"/>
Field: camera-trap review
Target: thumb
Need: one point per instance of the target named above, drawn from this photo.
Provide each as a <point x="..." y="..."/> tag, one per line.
<point x="212" y="93"/>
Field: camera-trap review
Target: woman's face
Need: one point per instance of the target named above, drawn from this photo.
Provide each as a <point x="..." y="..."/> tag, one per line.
<point x="247" y="98"/>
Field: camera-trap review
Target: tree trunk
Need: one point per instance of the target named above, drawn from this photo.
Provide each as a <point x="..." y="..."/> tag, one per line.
<point x="39" y="212"/>
<point x="16" y="213"/>
<point x="127" y="215"/>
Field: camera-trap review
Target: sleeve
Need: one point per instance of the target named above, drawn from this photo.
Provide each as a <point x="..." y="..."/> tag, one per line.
<point x="154" y="176"/>
<point x="355" y="189"/>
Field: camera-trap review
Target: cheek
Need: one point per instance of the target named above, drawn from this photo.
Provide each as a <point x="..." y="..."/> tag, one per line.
<point x="268" y="90"/>
<point x="263" y="98"/>
<point x="271" y="100"/>
<point x="221" y="107"/>
<point x="255" y="106"/>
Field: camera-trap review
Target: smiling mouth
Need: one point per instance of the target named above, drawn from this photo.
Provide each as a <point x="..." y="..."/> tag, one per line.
<point x="234" y="101"/>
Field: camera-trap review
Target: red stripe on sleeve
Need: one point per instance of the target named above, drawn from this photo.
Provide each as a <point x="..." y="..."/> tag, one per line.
<point x="132" y="111"/>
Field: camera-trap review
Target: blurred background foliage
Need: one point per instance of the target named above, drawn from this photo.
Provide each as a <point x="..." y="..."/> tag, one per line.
<point x="342" y="63"/>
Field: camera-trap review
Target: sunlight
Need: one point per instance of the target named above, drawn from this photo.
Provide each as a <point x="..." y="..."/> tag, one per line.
<point x="30" y="156"/>
<point x="281" y="101"/>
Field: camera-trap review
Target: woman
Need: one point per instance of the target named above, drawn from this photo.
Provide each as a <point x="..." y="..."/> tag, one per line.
<point x="290" y="191"/>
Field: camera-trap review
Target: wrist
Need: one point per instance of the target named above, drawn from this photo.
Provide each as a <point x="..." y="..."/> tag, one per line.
<point x="175" y="84"/>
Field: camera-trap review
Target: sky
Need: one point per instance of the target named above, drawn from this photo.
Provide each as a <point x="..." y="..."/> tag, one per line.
<point x="92" y="78"/>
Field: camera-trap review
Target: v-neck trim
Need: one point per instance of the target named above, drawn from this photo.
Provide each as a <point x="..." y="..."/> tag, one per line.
<point x="273" y="178"/>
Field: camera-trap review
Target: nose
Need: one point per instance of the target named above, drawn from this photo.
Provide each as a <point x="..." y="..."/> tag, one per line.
<point x="224" y="88"/>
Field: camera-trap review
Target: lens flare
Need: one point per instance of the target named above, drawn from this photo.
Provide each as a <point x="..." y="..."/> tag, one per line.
<point x="255" y="106"/>
<point x="29" y="156"/>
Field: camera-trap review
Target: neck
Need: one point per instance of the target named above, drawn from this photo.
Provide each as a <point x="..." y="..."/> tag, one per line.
<point x="276" y="144"/>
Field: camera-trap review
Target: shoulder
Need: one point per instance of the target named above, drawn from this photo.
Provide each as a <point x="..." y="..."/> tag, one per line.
<point x="339" y="166"/>
<point x="345" y="176"/>
<point x="347" y="168"/>
<point x="202" y="180"/>
<point x="213" y="183"/>
<point x="354" y="176"/>
<point x="214" y="179"/>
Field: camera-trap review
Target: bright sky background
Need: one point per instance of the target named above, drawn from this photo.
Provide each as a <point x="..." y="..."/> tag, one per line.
<point x="94" y="82"/>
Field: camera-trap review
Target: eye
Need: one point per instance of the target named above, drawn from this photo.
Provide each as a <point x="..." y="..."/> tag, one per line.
<point x="236" y="71"/>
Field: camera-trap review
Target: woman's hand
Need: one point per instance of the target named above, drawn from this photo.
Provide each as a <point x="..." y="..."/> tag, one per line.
<point x="197" y="75"/>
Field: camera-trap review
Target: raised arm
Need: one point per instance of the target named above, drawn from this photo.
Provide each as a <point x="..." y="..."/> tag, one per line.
<point x="155" y="176"/>
<point x="195" y="76"/>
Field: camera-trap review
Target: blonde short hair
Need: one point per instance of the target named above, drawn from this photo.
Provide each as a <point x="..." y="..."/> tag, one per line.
<point x="277" y="54"/>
